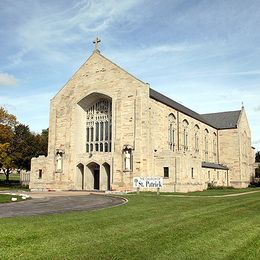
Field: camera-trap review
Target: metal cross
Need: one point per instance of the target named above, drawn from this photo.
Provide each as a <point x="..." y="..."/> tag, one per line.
<point x="96" y="42"/>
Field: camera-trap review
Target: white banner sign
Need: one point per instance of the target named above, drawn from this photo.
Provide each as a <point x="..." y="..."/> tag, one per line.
<point x="148" y="182"/>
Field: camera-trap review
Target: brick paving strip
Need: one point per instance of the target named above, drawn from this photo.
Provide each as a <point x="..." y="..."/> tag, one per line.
<point x="44" y="203"/>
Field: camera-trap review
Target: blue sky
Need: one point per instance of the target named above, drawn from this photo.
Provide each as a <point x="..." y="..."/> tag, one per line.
<point x="203" y="54"/>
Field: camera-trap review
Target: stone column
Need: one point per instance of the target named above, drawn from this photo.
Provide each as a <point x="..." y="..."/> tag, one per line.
<point x="103" y="177"/>
<point x="89" y="179"/>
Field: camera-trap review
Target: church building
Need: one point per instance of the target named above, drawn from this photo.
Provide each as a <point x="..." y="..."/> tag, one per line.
<point x="107" y="127"/>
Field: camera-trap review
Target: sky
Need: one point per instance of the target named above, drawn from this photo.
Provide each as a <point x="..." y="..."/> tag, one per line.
<point x="203" y="54"/>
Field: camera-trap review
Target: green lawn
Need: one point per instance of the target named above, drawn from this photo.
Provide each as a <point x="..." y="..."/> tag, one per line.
<point x="5" y="198"/>
<point x="215" y="192"/>
<point x="148" y="227"/>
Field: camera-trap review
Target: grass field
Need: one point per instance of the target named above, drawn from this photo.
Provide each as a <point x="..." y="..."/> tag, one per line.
<point x="210" y="192"/>
<point x="4" y="198"/>
<point x="148" y="227"/>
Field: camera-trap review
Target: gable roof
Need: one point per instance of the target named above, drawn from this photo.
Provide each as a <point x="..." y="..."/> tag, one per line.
<point x="223" y="120"/>
<point x="214" y="166"/>
<point x="171" y="103"/>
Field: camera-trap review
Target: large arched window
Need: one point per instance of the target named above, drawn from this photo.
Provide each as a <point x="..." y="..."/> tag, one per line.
<point x="206" y="142"/>
<point x="196" y="138"/>
<point x="99" y="126"/>
<point x="185" y="126"/>
<point x="171" y="131"/>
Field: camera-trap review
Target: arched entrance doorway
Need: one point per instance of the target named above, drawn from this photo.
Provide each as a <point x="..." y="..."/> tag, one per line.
<point x="93" y="176"/>
<point x="80" y="177"/>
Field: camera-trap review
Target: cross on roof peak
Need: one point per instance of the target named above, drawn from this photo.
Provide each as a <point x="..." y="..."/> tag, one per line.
<point x="96" y="42"/>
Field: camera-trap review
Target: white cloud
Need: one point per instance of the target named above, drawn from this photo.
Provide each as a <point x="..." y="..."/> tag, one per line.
<point x="257" y="141"/>
<point x="7" y="80"/>
<point x="32" y="110"/>
<point x="74" y="25"/>
<point x="257" y="108"/>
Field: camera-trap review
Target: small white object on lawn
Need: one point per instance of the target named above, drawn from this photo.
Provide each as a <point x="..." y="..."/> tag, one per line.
<point x="13" y="199"/>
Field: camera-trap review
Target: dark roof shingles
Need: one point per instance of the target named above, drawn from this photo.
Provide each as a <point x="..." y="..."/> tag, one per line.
<point x="213" y="166"/>
<point x="171" y="103"/>
<point x="223" y="120"/>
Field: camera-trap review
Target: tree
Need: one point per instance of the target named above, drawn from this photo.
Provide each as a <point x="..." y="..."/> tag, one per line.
<point x="42" y="143"/>
<point x="7" y="125"/>
<point x="27" y="145"/>
<point x="23" y="146"/>
<point x="257" y="156"/>
<point x="18" y="144"/>
<point x="257" y="172"/>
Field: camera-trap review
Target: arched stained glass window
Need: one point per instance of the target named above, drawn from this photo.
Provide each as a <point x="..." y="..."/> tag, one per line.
<point x="206" y="143"/>
<point x="99" y="126"/>
<point x="215" y="147"/>
<point x="196" y="138"/>
<point x="171" y="131"/>
<point x="185" y="125"/>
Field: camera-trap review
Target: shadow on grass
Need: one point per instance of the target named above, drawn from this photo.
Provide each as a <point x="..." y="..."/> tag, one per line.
<point x="12" y="185"/>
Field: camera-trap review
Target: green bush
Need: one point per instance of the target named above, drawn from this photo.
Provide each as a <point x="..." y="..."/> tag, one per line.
<point x="212" y="186"/>
<point x="257" y="172"/>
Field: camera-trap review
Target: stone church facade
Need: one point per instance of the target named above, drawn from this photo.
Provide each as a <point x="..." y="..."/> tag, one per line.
<point x="107" y="127"/>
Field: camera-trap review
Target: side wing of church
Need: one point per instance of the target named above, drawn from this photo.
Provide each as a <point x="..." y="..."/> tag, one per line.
<point x="107" y="127"/>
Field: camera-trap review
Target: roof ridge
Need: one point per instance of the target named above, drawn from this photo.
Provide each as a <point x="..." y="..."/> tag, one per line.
<point x="232" y="111"/>
<point x="179" y="107"/>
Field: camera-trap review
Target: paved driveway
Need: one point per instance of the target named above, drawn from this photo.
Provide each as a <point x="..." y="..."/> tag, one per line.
<point x="57" y="203"/>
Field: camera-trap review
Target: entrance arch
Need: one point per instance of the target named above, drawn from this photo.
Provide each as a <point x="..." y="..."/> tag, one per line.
<point x="93" y="176"/>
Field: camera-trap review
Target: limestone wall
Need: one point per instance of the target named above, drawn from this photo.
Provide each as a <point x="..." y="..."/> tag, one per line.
<point x="143" y="124"/>
<point x="236" y="152"/>
<point x="129" y="123"/>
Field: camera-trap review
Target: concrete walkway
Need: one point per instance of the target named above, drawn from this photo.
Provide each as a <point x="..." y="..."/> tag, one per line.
<point x="43" y="203"/>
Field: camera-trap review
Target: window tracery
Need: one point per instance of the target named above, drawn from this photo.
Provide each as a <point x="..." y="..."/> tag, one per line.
<point x="99" y="126"/>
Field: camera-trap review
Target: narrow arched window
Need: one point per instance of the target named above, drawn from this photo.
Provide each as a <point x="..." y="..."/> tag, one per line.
<point x="91" y="134"/>
<point x="106" y="147"/>
<point x="101" y="131"/>
<point x="171" y="131"/>
<point x="106" y="130"/>
<point x="87" y="134"/>
<point x="185" y="126"/>
<point x="215" y="147"/>
<point x="206" y="143"/>
<point x="97" y="131"/>
<point x="196" y="138"/>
